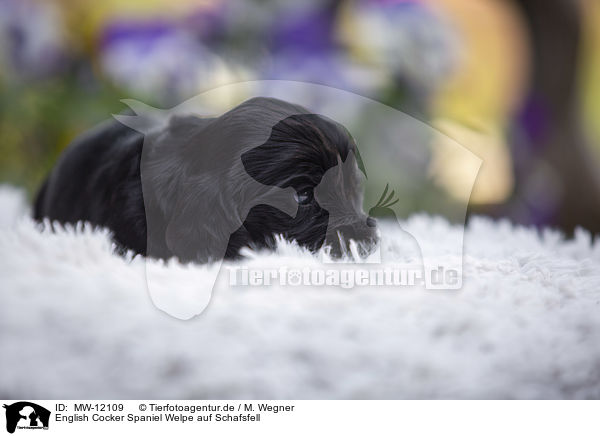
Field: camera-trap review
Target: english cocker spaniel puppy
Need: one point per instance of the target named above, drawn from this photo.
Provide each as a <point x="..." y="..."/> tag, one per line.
<point x="200" y="189"/>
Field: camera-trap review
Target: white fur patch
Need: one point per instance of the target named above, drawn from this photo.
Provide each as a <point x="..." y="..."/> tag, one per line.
<point x="76" y="321"/>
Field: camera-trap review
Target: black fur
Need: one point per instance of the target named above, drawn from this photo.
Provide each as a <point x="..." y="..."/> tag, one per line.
<point x="184" y="190"/>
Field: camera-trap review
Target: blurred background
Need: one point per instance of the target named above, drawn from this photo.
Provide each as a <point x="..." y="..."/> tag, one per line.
<point x="514" y="81"/>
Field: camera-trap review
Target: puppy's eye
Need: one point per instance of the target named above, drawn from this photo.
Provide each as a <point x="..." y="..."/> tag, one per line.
<point x="304" y="197"/>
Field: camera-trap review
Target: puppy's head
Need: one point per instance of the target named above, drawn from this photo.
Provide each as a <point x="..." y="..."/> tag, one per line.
<point x="265" y="168"/>
<point x="317" y="158"/>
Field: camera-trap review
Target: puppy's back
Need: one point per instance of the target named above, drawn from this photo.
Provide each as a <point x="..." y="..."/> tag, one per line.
<point x="90" y="174"/>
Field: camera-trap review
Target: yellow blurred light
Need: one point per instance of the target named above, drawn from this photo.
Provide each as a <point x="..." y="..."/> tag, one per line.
<point x="589" y="73"/>
<point x="451" y="167"/>
<point x="485" y="90"/>
<point x="492" y="68"/>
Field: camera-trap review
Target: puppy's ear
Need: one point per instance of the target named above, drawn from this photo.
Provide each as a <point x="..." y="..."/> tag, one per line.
<point x="189" y="243"/>
<point x="183" y="194"/>
<point x="203" y="190"/>
<point x="199" y="226"/>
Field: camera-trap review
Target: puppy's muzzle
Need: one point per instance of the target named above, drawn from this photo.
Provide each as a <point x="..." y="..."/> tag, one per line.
<point x="363" y="231"/>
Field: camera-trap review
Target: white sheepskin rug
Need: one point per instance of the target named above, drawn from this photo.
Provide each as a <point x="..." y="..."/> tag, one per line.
<point x="76" y="321"/>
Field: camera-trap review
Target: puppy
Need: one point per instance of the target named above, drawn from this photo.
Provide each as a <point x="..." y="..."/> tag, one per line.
<point x="200" y="189"/>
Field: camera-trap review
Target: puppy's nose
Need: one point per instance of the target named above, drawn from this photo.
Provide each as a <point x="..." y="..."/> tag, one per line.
<point x="363" y="231"/>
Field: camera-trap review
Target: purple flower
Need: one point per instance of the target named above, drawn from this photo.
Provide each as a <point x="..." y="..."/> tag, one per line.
<point x="407" y="38"/>
<point x="156" y="58"/>
<point x="302" y="46"/>
<point x="31" y="41"/>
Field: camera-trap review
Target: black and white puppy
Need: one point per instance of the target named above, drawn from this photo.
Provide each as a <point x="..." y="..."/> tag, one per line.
<point x="200" y="189"/>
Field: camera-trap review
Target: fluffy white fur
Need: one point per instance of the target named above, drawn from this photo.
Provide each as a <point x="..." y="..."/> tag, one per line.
<point x="76" y="321"/>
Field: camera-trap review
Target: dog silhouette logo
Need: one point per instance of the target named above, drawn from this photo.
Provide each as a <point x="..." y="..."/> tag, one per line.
<point x="384" y="204"/>
<point x="26" y="415"/>
<point x="237" y="164"/>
